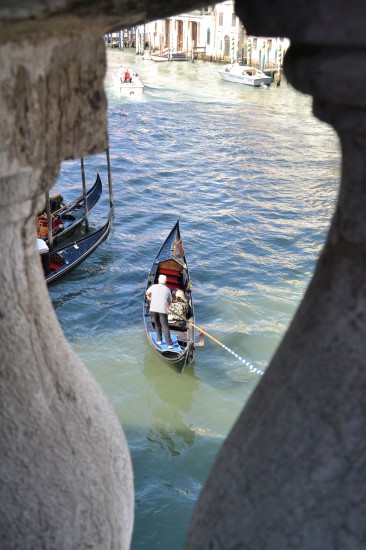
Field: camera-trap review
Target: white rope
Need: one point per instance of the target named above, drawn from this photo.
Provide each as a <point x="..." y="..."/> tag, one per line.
<point x="251" y="367"/>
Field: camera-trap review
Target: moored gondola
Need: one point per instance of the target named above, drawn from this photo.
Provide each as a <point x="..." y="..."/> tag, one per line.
<point x="64" y="260"/>
<point x="67" y="218"/>
<point x="171" y="261"/>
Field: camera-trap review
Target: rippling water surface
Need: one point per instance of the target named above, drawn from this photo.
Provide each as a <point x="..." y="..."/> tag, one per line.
<point x="254" y="177"/>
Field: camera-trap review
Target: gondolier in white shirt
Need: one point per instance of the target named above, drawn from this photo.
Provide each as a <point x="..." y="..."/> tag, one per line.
<point x="161" y="300"/>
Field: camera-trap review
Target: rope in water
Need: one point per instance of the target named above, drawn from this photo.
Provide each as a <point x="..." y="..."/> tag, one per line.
<point x="251" y="367"/>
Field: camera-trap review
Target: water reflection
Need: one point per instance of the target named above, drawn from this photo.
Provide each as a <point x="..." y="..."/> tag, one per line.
<point x="175" y="392"/>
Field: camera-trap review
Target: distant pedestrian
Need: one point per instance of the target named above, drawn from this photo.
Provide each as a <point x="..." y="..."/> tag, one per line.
<point x="161" y="300"/>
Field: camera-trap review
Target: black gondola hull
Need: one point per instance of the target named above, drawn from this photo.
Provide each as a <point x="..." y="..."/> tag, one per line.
<point x="72" y="216"/>
<point x="171" y="261"/>
<point x="75" y="253"/>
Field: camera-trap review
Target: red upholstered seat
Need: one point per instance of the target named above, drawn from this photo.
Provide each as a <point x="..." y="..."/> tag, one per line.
<point x="173" y="277"/>
<point x="169" y="272"/>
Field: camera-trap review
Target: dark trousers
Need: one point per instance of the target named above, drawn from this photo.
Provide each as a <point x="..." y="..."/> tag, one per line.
<point x="45" y="257"/>
<point x="161" y="324"/>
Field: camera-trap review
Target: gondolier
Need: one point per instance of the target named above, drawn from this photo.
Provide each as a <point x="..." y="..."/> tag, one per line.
<point x="161" y="300"/>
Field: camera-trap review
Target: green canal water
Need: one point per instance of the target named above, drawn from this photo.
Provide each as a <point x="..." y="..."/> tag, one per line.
<point x="254" y="177"/>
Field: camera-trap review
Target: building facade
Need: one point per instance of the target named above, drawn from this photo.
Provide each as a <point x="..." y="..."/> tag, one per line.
<point x="214" y="33"/>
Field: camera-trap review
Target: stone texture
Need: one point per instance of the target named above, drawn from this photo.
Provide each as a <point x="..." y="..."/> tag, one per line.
<point x="65" y="16"/>
<point x="65" y="471"/>
<point x="311" y="22"/>
<point x="292" y="473"/>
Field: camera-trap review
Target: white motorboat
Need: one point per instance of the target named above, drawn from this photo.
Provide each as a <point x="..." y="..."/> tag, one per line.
<point x="127" y="82"/>
<point x="244" y="74"/>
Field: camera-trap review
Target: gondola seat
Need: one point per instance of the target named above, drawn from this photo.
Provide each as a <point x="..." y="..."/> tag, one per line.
<point x="173" y="278"/>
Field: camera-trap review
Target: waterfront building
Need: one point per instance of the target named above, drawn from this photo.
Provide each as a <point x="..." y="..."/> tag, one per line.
<point x="184" y="33"/>
<point x="265" y="53"/>
<point x="213" y="33"/>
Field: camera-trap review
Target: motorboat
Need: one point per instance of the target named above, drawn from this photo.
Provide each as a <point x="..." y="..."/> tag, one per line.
<point x="244" y="74"/>
<point x="127" y="82"/>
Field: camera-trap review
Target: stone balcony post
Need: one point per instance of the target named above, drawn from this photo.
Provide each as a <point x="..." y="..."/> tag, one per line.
<point x="292" y="473"/>
<point x="65" y="469"/>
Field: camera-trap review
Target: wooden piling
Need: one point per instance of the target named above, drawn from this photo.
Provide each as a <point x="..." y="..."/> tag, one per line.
<point x="49" y="220"/>
<point x="111" y="201"/>
<point x="84" y="195"/>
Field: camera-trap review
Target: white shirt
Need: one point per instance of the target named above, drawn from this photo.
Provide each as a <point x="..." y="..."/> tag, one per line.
<point x="160" y="296"/>
<point x="42" y="246"/>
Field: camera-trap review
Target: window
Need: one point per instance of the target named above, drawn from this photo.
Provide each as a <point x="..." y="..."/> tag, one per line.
<point x="208" y="39"/>
<point x="233" y="20"/>
<point x="255" y="43"/>
<point x="227" y="46"/>
<point x="221" y="19"/>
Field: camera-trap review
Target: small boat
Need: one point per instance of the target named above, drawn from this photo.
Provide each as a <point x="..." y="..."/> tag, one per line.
<point x="169" y="56"/>
<point x="178" y="56"/>
<point x="64" y="260"/>
<point x="244" y="74"/>
<point x="68" y="217"/>
<point x="127" y="83"/>
<point x="171" y="261"/>
<point x="159" y="57"/>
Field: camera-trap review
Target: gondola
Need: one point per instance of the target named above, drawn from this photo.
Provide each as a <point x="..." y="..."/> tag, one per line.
<point x="68" y="217"/>
<point x="64" y="260"/>
<point x="171" y="261"/>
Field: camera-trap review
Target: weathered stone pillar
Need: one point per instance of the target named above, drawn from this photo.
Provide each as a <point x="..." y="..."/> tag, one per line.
<point x="292" y="472"/>
<point x="65" y="470"/>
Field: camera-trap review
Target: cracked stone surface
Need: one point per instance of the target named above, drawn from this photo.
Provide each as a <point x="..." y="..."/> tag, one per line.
<point x="291" y="473"/>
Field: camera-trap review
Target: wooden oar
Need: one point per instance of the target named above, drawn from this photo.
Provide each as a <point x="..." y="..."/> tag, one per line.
<point x="246" y="363"/>
<point x="75" y="201"/>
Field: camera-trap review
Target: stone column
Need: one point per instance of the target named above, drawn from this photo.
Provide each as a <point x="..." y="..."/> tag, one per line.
<point x="65" y="469"/>
<point x="292" y="473"/>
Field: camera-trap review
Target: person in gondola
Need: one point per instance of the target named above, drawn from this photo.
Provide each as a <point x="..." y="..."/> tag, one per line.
<point x="178" y="309"/>
<point x="45" y="255"/>
<point x="161" y="300"/>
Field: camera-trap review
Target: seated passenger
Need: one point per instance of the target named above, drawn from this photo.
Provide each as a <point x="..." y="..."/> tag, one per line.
<point x="178" y="307"/>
